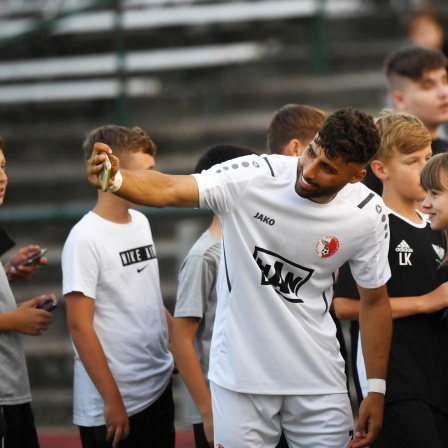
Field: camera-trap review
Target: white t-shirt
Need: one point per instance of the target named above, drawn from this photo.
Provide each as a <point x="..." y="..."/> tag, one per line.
<point x="116" y="265"/>
<point x="273" y="332"/>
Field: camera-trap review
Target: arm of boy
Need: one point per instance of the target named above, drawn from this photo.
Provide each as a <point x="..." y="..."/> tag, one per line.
<point x="80" y="312"/>
<point x="348" y="308"/>
<point x="26" y="318"/>
<point x="182" y="346"/>
<point x="169" y="323"/>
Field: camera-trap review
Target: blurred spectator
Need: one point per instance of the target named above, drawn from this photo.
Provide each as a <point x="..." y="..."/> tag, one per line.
<point x="418" y="84"/>
<point x="423" y="28"/>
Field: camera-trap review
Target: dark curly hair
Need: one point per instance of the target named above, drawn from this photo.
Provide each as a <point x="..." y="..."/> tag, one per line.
<point x="349" y="134"/>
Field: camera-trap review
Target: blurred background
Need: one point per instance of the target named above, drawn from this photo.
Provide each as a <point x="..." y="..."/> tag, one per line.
<point x="192" y="73"/>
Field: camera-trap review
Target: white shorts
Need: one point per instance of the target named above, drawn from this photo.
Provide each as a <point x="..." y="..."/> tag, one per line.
<point x="254" y="420"/>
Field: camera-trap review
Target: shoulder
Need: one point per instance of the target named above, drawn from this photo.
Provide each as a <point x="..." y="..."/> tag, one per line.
<point x="207" y="245"/>
<point x="85" y="227"/>
<point x="272" y="165"/>
<point x="363" y="198"/>
<point x="138" y="216"/>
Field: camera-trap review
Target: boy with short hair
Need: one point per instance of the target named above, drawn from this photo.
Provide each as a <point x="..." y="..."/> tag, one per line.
<point x="418" y="84"/>
<point x="116" y="316"/>
<point x="194" y="315"/>
<point x="416" y="406"/>
<point x="293" y="127"/>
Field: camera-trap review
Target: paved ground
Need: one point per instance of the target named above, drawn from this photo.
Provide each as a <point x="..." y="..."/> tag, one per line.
<point x="70" y="439"/>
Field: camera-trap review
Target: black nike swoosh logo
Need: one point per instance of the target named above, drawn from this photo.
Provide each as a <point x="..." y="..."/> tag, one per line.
<point x="140" y="270"/>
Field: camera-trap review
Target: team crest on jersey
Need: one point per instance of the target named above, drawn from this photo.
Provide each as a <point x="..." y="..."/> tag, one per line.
<point x="283" y="275"/>
<point x="327" y="246"/>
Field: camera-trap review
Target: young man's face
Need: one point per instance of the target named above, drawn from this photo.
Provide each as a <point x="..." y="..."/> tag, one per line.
<point x="138" y="161"/>
<point x="3" y="177"/>
<point x="402" y="175"/>
<point x="319" y="179"/>
<point x="436" y="205"/>
<point x="426" y="99"/>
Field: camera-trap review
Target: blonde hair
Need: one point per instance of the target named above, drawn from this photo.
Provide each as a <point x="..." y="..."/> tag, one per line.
<point x="431" y="179"/>
<point x="399" y="132"/>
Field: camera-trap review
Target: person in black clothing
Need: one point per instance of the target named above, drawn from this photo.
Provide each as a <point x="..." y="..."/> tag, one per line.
<point x="416" y="401"/>
<point x="418" y="84"/>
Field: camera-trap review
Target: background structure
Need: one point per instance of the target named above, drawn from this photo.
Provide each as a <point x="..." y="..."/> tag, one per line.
<point x="192" y="73"/>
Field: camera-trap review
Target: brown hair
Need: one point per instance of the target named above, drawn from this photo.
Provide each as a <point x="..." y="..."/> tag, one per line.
<point x="294" y="121"/>
<point x="400" y="132"/>
<point x="2" y="144"/>
<point x="122" y="140"/>
<point x="431" y="179"/>
<point x="412" y="62"/>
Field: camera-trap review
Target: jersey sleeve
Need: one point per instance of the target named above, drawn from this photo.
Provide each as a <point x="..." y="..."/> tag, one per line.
<point x="222" y="186"/>
<point x="197" y="277"/>
<point x="370" y="265"/>
<point x="346" y="285"/>
<point x="80" y="265"/>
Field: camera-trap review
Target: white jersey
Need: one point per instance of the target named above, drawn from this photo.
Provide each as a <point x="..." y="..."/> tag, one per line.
<point x="116" y="265"/>
<point x="273" y="332"/>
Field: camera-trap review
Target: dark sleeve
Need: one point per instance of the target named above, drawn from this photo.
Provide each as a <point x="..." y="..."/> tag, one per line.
<point x="346" y="285"/>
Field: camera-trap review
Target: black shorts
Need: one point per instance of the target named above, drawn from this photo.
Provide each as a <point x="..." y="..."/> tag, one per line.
<point x="412" y="424"/>
<point x="151" y="428"/>
<point x="20" y="429"/>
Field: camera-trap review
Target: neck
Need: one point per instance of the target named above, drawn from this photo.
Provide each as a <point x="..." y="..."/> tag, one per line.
<point x="112" y="208"/>
<point x="404" y="208"/>
<point x="432" y="131"/>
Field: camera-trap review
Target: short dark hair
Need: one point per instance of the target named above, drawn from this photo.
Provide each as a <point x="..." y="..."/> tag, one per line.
<point x="2" y="144"/>
<point x="349" y="134"/>
<point x="219" y="154"/>
<point x="292" y="121"/>
<point x="412" y="62"/>
<point x="122" y="140"/>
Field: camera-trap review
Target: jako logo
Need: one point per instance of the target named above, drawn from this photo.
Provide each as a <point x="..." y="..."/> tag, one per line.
<point x="264" y="219"/>
<point x="283" y="275"/>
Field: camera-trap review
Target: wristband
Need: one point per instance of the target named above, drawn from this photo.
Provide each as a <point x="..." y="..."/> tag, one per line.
<point x="376" y="385"/>
<point x="118" y="180"/>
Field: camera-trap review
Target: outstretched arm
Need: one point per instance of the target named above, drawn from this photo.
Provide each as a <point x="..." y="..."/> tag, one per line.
<point x="376" y="329"/>
<point x="144" y="187"/>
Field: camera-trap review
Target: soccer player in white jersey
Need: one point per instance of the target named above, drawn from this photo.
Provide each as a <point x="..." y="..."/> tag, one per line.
<point x="287" y="225"/>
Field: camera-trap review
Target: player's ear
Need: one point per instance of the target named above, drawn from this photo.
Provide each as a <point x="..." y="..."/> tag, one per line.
<point x="399" y="100"/>
<point x="359" y="176"/>
<point x="379" y="169"/>
<point x="294" y="148"/>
